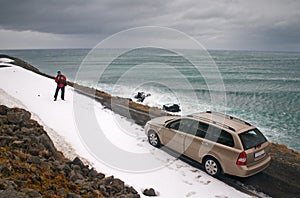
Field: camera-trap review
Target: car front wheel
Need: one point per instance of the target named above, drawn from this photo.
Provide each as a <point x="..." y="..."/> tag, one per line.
<point x="154" y="139"/>
<point x="212" y="167"/>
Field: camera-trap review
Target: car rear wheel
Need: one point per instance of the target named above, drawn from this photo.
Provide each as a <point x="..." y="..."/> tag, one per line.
<point x="154" y="139"/>
<point x="212" y="167"/>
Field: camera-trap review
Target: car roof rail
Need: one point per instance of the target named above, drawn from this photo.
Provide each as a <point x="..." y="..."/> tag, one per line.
<point x="214" y="122"/>
<point x="230" y="117"/>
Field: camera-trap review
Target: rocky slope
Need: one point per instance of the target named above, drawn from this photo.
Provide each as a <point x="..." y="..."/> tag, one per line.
<point x="30" y="165"/>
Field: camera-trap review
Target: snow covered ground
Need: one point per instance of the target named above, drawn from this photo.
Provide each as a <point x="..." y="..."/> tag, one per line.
<point x="173" y="178"/>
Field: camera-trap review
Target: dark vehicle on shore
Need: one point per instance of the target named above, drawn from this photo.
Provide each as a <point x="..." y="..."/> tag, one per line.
<point x="222" y="143"/>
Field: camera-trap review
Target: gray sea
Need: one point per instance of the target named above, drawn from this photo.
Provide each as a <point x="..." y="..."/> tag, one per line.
<point x="262" y="88"/>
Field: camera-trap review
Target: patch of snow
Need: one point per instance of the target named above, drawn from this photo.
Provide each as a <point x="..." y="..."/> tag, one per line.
<point x="6" y="60"/>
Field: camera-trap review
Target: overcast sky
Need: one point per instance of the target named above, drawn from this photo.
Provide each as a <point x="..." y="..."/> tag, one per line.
<point x="216" y="24"/>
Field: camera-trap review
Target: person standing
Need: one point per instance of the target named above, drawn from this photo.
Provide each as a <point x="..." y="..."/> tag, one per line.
<point x="61" y="82"/>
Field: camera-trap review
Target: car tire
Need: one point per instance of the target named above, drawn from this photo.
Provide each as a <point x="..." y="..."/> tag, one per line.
<point x="212" y="167"/>
<point x="154" y="139"/>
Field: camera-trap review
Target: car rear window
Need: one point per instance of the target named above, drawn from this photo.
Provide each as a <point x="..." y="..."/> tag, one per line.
<point x="252" y="138"/>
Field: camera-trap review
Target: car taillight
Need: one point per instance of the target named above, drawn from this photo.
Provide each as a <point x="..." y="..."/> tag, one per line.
<point x="258" y="146"/>
<point x="242" y="159"/>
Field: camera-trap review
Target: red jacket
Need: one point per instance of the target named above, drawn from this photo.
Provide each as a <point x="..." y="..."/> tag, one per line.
<point x="61" y="80"/>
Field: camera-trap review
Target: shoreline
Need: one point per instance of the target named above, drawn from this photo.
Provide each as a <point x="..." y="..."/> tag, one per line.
<point x="279" y="179"/>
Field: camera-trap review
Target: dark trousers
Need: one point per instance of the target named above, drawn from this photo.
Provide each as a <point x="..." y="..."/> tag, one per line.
<point x="62" y="92"/>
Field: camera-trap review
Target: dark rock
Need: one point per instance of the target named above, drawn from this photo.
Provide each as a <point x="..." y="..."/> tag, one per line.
<point x="76" y="168"/>
<point x="140" y="96"/>
<point x="117" y="185"/>
<point x="17" y="115"/>
<point x="73" y="195"/>
<point x="27" y="131"/>
<point x="62" y="192"/>
<point x="149" y="192"/>
<point x="66" y="169"/>
<point x="4" y="170"/>
<point x="12" y="193"/>
<point x="31" y="193"/>
<point x="34" y="160"/>
<point x="3" y="120"/>
<point x="78" y="162"/>
<point x="44" y="153"/>
<point x="3" y="110"/>
<point x="7" y="129"/>
<point x="85" y="171"/>
<point x="20" y="183"/>
<point x="17" y="143"/>
<point x="7" y="140"/>
<point x="132" y="190"/>
<point x="32" y="124"/>
<point x="93" y="174"/>
<point x="171" y="107"/>
<point x="103" y="191"/>
<point x="130" y="196"/>
<point x="85" y="186"/>
<point x="100" y="176"/>
<point x="34" y="151"/>
<point x="97" y="193"/>
<point x="74" y="176"/>
<point x="6" y="184"/>
<point x="48" y="144"/>
<point x="108" y="180"/>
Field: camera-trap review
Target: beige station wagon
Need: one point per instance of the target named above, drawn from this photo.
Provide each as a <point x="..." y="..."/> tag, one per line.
<point x="222" y="143"/>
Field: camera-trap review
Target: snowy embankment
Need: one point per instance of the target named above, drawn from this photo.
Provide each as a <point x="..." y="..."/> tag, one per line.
<point x="25" y="89"/>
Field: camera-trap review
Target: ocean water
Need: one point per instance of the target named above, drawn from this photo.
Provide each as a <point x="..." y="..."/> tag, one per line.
<point x="262" y="88"/>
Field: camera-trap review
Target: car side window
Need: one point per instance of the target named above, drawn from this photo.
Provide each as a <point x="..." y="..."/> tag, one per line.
<point x="193" y="129"/>
<point x="181" y="125"/>
<point x="226" y="139"/>
<point x="202" y="129"/>
<point x="174" y="125"/>
<point x="212" y="133"/>
<point x="217" y="135"/>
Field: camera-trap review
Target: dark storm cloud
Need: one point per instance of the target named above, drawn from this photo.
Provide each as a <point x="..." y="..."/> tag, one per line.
<point x="223" y="24"/>
<point x="74" y="16"/>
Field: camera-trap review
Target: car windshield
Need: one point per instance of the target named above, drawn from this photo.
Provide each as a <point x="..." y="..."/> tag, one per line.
<point x="252" y="138"/>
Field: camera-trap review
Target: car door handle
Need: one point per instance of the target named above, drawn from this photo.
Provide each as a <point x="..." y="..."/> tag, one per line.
<point x="204" y="143"/>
